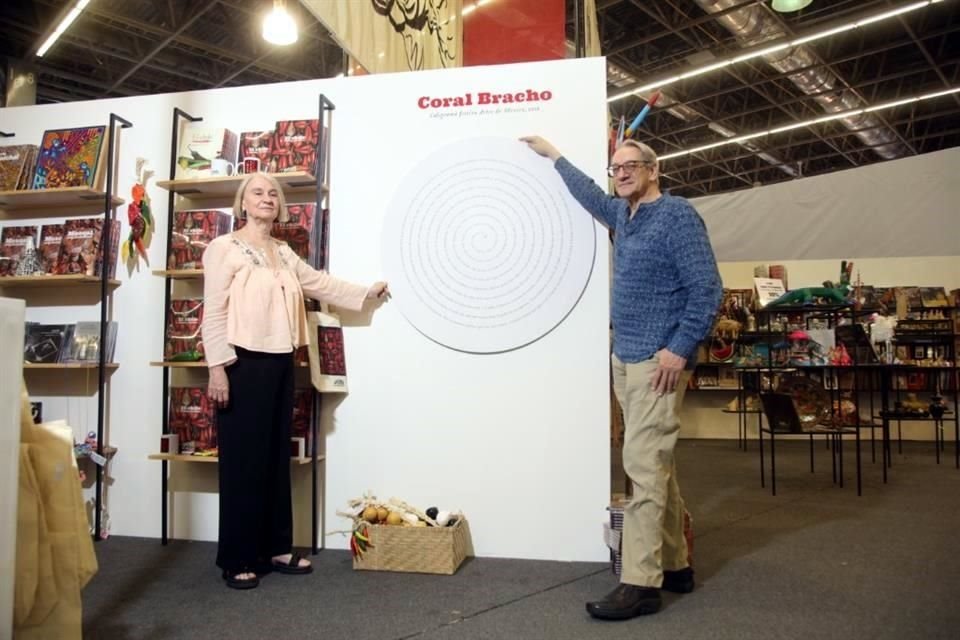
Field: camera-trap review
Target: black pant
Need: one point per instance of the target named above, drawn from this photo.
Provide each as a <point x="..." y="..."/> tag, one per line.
<point x="256" y="519"/>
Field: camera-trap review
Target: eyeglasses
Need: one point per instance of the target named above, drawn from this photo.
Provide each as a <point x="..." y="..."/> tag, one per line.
<point x="628" y="167"/>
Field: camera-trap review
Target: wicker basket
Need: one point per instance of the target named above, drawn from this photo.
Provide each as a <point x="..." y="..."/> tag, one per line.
<point x="416" y="549"/>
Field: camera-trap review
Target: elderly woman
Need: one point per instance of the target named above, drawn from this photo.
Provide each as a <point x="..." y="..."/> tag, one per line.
<point x="254" y="319"/>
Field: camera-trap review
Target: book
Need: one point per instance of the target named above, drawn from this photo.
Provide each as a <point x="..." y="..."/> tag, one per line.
<point x="193" y="418"/>
<point x="192" y="231"/>
<point x="15" y="161"/>
<point x="85" y="344"/>
<point x="80" y="250"/>
<point x="293" y="146"/>
<point x="14" y="243"/>
<point x="255" y="144"/>
<point x="51" y="238"/>
<point x="44" y="343"/>
<point x="297" y="231"/>
<point x="200" y="146"/>
<point x="182" y="339"/>
<point x="69" y="157"/>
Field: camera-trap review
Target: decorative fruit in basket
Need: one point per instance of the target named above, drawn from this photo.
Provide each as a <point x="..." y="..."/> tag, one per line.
<point x="370" y="515"/>
<point x="382" y="514"/>
<point x="394" y="518"/>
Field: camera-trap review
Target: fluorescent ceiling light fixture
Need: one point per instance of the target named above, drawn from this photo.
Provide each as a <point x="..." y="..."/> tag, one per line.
<point x="279" y="26"/>
<point x="467" y="10"/>
<point x="807" y="123"/>
<point x="763" y="51"/>
<point x="786" y="6"/>
<point x="64" y="24"/>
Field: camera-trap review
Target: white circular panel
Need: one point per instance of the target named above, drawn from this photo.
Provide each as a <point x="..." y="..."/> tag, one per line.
<point x="484" y="248"/>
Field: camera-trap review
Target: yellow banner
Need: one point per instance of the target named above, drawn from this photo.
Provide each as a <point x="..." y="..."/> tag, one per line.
<point x="395" y="35"/>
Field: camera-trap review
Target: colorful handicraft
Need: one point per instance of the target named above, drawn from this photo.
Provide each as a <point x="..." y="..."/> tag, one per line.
<point x="140" y="218"/>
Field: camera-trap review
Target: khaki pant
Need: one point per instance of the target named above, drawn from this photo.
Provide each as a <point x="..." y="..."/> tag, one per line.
<point x="652" y="539"/>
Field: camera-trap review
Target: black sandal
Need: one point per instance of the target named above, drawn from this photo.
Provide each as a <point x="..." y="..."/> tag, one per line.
<point x="241" y="583"/>
<point x="292" y="566"/>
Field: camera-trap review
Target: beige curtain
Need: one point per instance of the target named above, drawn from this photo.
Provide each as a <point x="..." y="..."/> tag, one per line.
<point x="591" y="37"/>
<point x="395" y="35"/>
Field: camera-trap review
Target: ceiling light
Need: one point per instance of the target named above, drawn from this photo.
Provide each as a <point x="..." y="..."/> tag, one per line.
<point x="766" y="50"/>
<point x="786" y="6"/>
<point x="279" y="26"/>
<point x="808" y="123"/>
<point x="66" y="22"/>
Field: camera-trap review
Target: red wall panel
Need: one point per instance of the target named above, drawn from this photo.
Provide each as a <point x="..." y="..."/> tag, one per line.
<point x="504" y="31"/>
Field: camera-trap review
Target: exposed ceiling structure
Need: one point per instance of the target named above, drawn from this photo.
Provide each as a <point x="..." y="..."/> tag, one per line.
<point x="133" y="47"/>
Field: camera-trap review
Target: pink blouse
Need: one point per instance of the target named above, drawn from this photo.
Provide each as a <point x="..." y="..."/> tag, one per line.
<point x="247" y="304"/>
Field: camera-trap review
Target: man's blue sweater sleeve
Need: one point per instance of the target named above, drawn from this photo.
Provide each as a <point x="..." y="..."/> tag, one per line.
<point x="590" y="196"/>
<point x="699" y="276"/>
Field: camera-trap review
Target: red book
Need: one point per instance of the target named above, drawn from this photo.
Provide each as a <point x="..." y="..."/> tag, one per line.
<point x="192" y="231"/>
<point x="293" y="146"/>
<point x="297" y="231"/>
<point x="51" y="237"/>
<point x="255" y="144"/>
<point x="183" y="341"/>
<point x="80" y="251"/>
<point x="193" y="418"/>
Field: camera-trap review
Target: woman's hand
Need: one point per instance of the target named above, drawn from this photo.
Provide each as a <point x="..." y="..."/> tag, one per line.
<point x="541" y="147"/>
<point x="378" y="291"/>
<point x="218" y="387"/>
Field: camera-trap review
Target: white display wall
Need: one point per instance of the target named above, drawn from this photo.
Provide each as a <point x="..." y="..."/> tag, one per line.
<point x="518" y="440"/>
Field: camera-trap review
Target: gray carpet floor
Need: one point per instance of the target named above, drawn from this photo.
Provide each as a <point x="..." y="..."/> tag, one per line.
<point x="815" y="561"/>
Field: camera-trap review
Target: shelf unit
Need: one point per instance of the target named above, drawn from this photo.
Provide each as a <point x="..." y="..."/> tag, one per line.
<point x="219" y="191"/>
<point x="75" y="201"/>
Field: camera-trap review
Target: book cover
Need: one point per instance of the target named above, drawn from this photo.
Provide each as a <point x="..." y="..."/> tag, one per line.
<point x="192" y="231"/>
<point x="45" y="343"/>
<point x="51" y="237"/>
<point x="293" y="146"/>
<point x="80" y="247"/>
<point x="297" y="231"/>
<point x="68" y="157"/>
<point x="302" y="416"/>
<point x="15" y="160"/>
<point x="85" y="344"/>
<point x="200" y="146"/>
<point x="193" y="418"/>
<point x="183" y="342"/>
<point x="29" y="167"/>
<point x="255" y="144"/>
<point x="14" y="242"/>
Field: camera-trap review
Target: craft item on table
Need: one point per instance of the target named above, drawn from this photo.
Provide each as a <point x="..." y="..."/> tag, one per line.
<point x="810" y="399"/>
<point x="937" y="407"/>
<point x="812" y="296"/>
<point x="846" y="271"/>
<point x="642" y="115"/>
<point x="839" y="356"/>
<point x="139" y="216"/>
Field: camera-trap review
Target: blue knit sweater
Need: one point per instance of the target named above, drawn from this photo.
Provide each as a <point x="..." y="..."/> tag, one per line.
<point x="666" y="287"/>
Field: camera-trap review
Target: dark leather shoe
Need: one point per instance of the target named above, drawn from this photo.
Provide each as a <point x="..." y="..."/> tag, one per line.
<point x="680" y="581"/>
<point x="626" y="601"/>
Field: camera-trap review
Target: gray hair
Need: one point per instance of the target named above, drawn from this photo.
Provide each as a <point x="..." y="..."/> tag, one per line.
<point x="647" y="154"/>
<point x="282" y="214"/>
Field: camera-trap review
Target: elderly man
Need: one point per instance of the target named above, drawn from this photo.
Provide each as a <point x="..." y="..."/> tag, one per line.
<point x="666" y="290"/>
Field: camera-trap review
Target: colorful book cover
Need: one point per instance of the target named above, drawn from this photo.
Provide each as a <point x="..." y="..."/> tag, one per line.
<point x="200" y="146"/>
<point x="255" y="144"/>
<point x="51" y="237"/>
<point x="192" y="231"/>
<point x="183" y="342"/>
<point x="293" y="146"/>
<point x="193" y="418"/>
<point x="14" y="242"/>
<point x="68" y="158"/>
<point x="297" y="231"/>
<point x="15" y="160"/>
